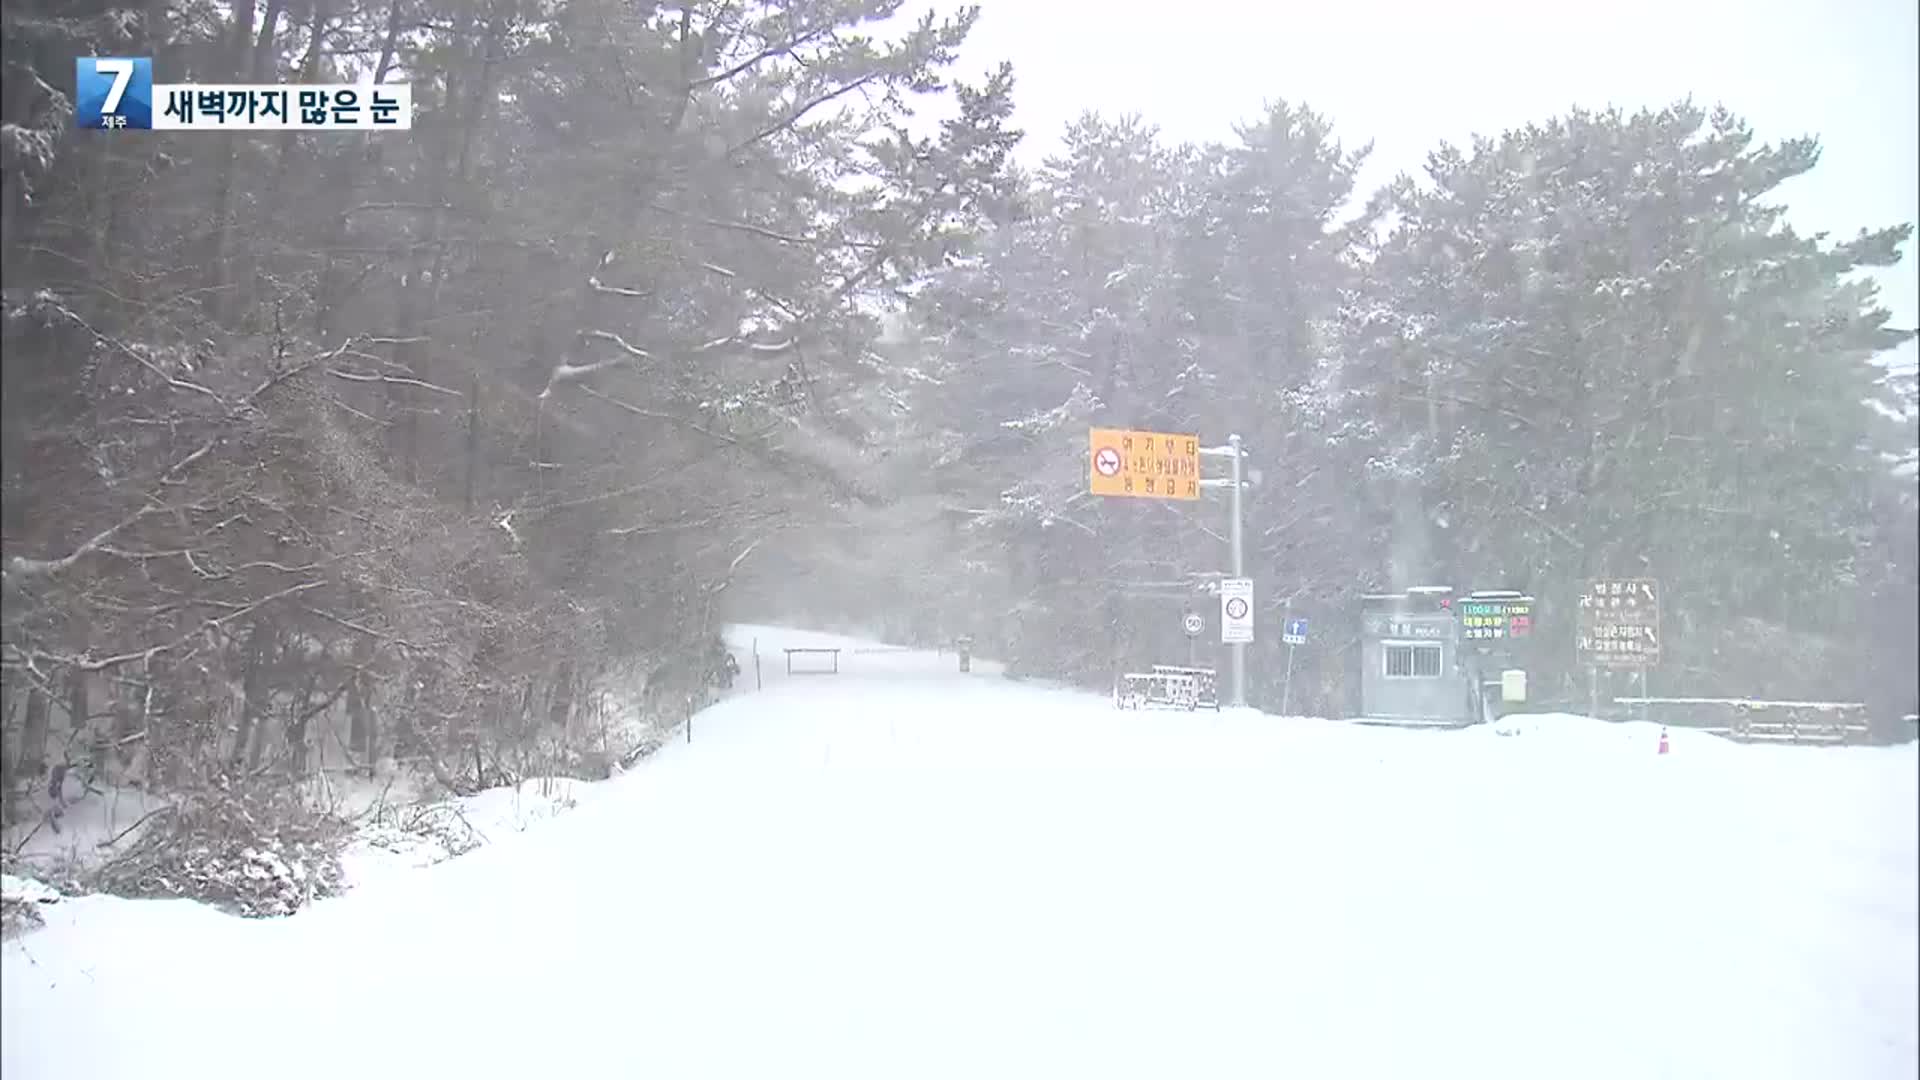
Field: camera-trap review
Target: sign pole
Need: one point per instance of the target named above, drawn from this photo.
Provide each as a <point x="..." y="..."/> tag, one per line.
<point x="1286" y="688"/>
<point x="1238" y="650"/>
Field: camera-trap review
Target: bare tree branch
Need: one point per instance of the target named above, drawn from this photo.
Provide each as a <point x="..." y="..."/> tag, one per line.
<point x="784" y="48"/>
<point x="22" y="566"/>
<point x="799" y="113"/>
<point x="395" y="380"/>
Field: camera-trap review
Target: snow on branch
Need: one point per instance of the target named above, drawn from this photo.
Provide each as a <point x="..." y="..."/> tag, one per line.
<point x="17" y="656"/>
<point x="1080" y="403"/>
<point x="756" y="230"/>
<point x="615" y="290"/>
<point x="654" y="414"/>
<point x="631" y="350"/>
<point x="21" y="566"/>
<point x="565" y="372"/>
<point x="751" y="346"/>
<point x="47" y="302"/>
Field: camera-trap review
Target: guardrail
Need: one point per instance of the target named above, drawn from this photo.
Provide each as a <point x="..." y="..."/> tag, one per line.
<point x="1758" y="720"/>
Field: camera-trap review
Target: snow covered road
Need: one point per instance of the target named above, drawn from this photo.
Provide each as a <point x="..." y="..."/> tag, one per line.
<point x="906" y="872"/>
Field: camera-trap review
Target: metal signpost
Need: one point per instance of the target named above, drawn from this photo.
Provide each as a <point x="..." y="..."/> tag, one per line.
<point x="1236" y="611"/>
<point x="1619" y="627"/>
<point x="1161" y="465"/>
<point x="1236" y="649"/>
<point x="1293" y="632"/>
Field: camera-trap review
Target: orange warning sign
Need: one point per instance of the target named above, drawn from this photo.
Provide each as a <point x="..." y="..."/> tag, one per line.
<point x="1143" y="464"/>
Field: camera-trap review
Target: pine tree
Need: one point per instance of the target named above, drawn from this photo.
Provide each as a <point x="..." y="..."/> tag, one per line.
<point x="1601" y="352"/>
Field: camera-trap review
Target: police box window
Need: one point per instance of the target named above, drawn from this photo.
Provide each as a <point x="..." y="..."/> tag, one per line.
<point x="1414" y="660"/>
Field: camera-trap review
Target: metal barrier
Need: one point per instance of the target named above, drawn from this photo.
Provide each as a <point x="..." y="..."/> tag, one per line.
<point x="1168" y="686"/>
<point x="834" y="653"/>
<point x="1748" y="720"/>
<point x="1206" y="683"/>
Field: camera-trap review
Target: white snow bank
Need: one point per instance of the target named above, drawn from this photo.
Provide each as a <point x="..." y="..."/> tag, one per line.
<point x="913" y="872"/>
<point x="27" y="890"/>
<point x="1585" y="734"/>
<point x="405" y="837"/>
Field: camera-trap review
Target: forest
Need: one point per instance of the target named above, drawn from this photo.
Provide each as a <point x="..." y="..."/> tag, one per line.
<point x="331" y="450"/>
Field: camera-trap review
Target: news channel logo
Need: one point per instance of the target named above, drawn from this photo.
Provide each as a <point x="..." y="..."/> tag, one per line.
<point x="113" y="92"/>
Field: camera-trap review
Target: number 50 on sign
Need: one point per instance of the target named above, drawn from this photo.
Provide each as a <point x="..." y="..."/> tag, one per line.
<point x="1143" y="464"/>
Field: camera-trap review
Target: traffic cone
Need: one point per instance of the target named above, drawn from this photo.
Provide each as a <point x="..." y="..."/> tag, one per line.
<point x="1663" y="740"/>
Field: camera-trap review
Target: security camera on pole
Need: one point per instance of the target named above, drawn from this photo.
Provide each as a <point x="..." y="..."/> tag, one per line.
<point x="1159" y="465"/>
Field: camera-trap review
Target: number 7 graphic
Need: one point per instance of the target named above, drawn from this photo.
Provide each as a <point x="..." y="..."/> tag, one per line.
<point x="113" y="92"/>
<point x="122" y="71"/>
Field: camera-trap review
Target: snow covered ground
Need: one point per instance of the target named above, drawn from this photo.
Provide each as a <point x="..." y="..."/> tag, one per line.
<point x="904" y="871"/>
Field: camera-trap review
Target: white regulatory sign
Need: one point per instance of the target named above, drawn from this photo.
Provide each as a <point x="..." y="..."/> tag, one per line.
<point x="1236" y="611"/>
<point x="1193" y="624"/>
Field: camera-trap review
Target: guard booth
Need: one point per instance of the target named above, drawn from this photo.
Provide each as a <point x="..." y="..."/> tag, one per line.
<point x="1411" y="667"/>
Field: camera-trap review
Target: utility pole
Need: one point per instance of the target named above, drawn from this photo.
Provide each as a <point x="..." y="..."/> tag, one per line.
<point x="1236" y="651"/>
<point x="1161" y="465"/>
<point x="1239" y="649"/>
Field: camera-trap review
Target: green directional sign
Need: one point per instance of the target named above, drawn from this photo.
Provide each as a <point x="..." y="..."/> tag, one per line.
<point x="1495" y="618"/>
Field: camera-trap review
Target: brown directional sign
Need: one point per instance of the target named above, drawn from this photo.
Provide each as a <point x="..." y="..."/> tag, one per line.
<point x="1619" y="623"/>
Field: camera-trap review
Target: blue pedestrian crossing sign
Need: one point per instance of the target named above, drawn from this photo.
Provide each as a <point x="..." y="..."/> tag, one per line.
<point x="1296" y="632"/>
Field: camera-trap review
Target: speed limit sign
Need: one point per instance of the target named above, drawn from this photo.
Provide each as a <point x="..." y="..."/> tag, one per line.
<point x="1192" y="623"/>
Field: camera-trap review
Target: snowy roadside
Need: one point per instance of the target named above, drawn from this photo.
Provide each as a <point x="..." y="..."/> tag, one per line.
<point x="396" y="838"/>
<point x="852" y="866"/>
<point x="384" y="825"/>
<point x="394" y="829"/>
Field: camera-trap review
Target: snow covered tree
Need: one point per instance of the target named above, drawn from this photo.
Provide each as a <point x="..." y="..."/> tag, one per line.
<point x="1066" y="320"/>
<point x="441" y="432"/>
<point x="1597" y="350"/>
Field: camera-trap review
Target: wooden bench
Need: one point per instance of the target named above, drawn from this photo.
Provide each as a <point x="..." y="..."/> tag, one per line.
<point x="834" y="653"/>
